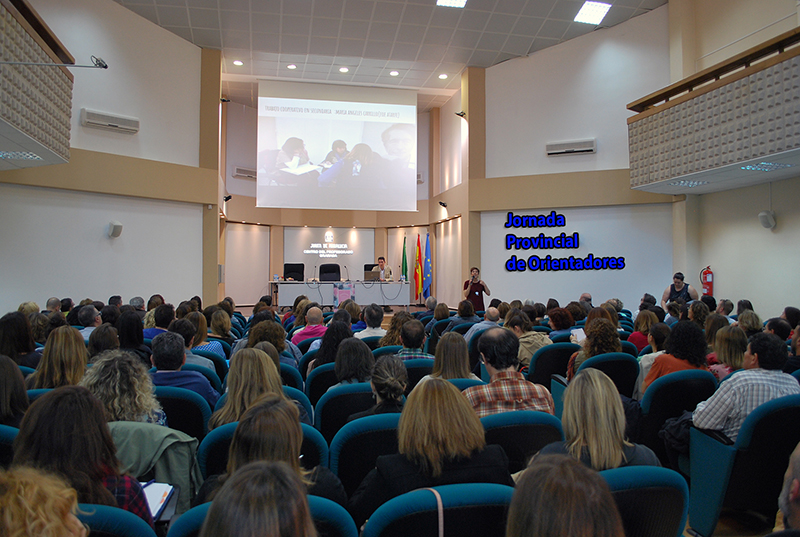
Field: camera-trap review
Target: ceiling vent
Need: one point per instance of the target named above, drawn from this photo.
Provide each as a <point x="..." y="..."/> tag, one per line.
<point x="101" y="120"/>
<point x="245" y="173"/>
<point x="573" y="147"/>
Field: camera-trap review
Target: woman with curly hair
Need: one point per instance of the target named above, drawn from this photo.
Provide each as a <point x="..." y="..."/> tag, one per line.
<point x="685" y="348"/>
<point x="63" y="361"/>
<point x="601" y="337"/>
<point x="123" y="385"/>
<point x="392" y="336"/>
<point x="560" y="321"/>
<point x="698" y="313"/>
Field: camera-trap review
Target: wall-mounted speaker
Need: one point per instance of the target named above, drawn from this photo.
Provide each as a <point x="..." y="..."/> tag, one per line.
<point x="114" y="229"/>
<point x="767" y="219"/>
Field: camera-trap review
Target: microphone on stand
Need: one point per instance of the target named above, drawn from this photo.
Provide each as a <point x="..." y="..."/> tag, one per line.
<point x="348" y="273"/>
<point x="314" y="274"/>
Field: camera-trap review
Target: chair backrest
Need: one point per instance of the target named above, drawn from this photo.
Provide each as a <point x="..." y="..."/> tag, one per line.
<point x="521" y="433"/>
<point x="463" y="384"/>
<point x="302" y="366"/>
<point x="306" y="343"/>
<point x="7" y="436"/>
<point x="472" y="349"/>
<point x="560" y="338"/>
<point x="336" y="405"/>
<point x="624" y="335"/>
<point x="646" y="350"/>
<point x="620" y="366"/>
<point x="545" y="329"/>
<point x="314" y="450"/>
<point x="319" y="380"/>
<point x="469" y="509"/>
<point x="212" y="455"/>
<point x="357" y="446"/>
<point x="210" y="375"/>
<point x="388" y="349"/>
<point x="439" y="326"/>
<point x="186" y="410"/>
<point x="416" y="369"/>
<point x="302" y="398"/>
<point x="290" y="376"/>
<point x="463" y="328"/>
<point x="330" y="272"/>
<point x="372" y="342"/>
<point x="550" y="360"/>
<point x="220" y="365"/>
<point x="26" y="370"/>
<point x="190" y="522"/>
<point x="330" y="518"/>
<point x="652" y="501"/>
<point x="295" y="271"/>
<point x="630" y="348"/>
<point x="107" y="521"/>
<point x="668" y="397"/>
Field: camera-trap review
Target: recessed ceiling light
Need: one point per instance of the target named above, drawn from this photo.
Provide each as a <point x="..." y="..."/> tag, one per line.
<point x="343" y="69"/>
<point x="451" y="3"/>
<point x="19" y="155"/>
<point x="238" y="62"/>
<point x="592" y="12"/>
<point x="766" y="167"/>
<point x="291" y="66"/>
<point x="243" y="222"/>
<point x="394" y="73"/>
<point x="443" y="76"/>
<point x="688" y="184"/>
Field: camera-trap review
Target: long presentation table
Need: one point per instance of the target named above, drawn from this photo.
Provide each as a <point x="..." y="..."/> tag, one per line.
<point x="365" y="292"/>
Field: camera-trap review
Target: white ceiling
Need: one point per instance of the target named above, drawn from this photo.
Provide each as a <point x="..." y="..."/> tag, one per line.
<point x="371" y="38"/>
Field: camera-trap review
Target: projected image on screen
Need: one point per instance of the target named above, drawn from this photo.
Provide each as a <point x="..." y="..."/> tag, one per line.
<point x="319" y="154"/>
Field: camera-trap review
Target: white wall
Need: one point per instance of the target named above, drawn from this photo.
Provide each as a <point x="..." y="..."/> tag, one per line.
<point x="749" y="261"/>
<point x="640" y="234"/>
<point x="576" y="90"/>
<point x="55" y="243"/>
<point x="153" y="75"/>
<point x="242" y="125"/>
<point x="423" y="143"/>
<point x="447" y="262"/>
<point x="360" y="241"/>
<point x="453" y="145"/>
<point x="246" y="262"/>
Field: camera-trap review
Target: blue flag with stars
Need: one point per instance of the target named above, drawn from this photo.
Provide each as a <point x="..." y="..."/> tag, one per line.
<point x="427" y="271"/>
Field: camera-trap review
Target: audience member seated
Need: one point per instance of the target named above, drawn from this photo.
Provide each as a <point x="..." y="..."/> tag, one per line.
<point x="131" y="335"/>
<point x="789" y="499"/>
<point x="698" y="313"/>
<point x="490" y="319"/>
<point x="123" y="385"/>
<point x="685" y="349"/>
<point x="779" y="327"/>
<point x="392" y="336"/>
<point x="313" y="326"/>
<point x="333" y="335"/>
<point x="791" y="315"/>
<point x="465" y="314"/>
<point x="714" y="322"/>
<point x="560" y="322"/>
<point x="65" y="432"/>
<point x="252" y="374"/>
<point x="33" y="503"/>
<point x="577" y="310"/>
<point x="441" y="442"/>
<point x="13" y="396"/>
<point x="430" y="306"/>
<point x="559" y="497"/>
<point x="762" y="380"/>
<point x="297" y="310"/>
<point x="200" y="341"/>
<point x="750" y="322"/>
<point x="388" y="381"/>
<point x="221" y="327"/>
<point x="63" y="361"/>
<point x="657" y="337"/>
<point x="162" y="316"/>
<point x="270" y="431"/>
<point x="271" y="332"/>
<point x="725" y="307"/>
<point x="40" y="324"/>
<point x="594" y="425"/>
<point x="168" y="358"/>
<point x="354" y="362"/>
<point x="412" y="338"/>
<point x="452" y="358"/>
<point x="530" y="341"/>
<point x="102" y="338"/>
<point x="730" y="344"/>
<point x="641" y="328"/>
<point x="138" y="305"/>
<point x="16" y="340"/>
<point x="187" y="331"/>
<point x="90" y="318"/>
<point x="508" y="389"/>
<point x="262" y="498"/>
<point x="440" y="313"/>
<point x="356" y="315"/>
<point x="110" y="314"/>
<point x="601" y="338"/>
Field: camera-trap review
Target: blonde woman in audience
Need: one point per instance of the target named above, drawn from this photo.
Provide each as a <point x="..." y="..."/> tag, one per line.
<point x="750" y="322"/>
<point x="251" y="375"/>
<point x="63" y="360"/>
<point x="122" y="383"/>
<point x="263" y="498"/>
<point x="440" y="313"/>
<point x="26" y="308"/>
<point x="441" y="441"/>
<point x="201" y="342"/>
<point x="270" y="430"/>
<point x="221" y="327"/>
<point x="559" y="497"/>
<point x="730" y="345"/>
<point x="452" y="358"/>
<point x="300" y="313"/>
<point x="37" y="504"/>
<point x="714" y="322"/>
<point x="594" y="426"/>
<point x="641" y="328"/>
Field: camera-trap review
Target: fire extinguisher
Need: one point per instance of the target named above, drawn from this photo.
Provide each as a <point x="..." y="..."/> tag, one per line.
<point x="707" y="279"/>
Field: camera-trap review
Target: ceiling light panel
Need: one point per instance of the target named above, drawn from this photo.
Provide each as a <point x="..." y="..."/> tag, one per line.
<point x="451" y="3"/>
<point x="592" y="12"/>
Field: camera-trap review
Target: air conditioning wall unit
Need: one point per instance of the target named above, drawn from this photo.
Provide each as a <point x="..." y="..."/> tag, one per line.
<point x="572" y="147"/>
<point x="102" y="120"/>
<point x="246" y="173"/>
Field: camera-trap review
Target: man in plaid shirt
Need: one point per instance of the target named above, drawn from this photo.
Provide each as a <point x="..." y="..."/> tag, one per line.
<point x="412" y="336"/>
<point x="508" y="389"/>
<point x="761" y="380"/>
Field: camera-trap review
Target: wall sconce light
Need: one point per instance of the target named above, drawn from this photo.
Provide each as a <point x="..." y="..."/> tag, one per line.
<point x="443" y="204"/>
<point x="462" y="114"/>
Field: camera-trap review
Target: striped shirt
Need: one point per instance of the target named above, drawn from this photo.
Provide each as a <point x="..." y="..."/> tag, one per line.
<point x="739" y="395"/>
<point x="508" y="391"/>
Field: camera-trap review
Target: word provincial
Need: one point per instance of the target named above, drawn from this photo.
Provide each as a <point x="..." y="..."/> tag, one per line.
<point x="545" y="242"/>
